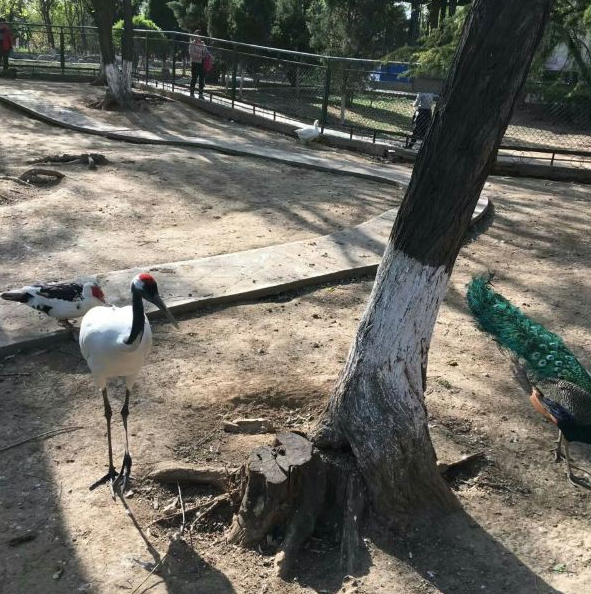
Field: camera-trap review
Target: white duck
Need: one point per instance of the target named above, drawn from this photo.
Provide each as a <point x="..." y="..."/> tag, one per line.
<point x="62" y="301"/>
<point x="115" y="341"/>
<point x="309" y="133"/>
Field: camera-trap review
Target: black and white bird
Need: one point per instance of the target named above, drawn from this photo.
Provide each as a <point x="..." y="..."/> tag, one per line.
<point x="308" y="133"/>
<point x="115" y="341"/>
<point x="62" y="301"/>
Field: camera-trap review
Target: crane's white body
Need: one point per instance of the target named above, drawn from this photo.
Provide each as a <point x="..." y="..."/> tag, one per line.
<point x="309" y="133"/>
<point x="103" y="333"/>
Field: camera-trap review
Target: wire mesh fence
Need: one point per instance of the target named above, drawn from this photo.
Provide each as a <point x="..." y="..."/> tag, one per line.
<point x="350" y="97"/>
<point x="55" y="50"/>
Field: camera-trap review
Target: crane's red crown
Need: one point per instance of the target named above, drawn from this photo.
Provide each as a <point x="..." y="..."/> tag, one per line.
<point x="147" y="279"/>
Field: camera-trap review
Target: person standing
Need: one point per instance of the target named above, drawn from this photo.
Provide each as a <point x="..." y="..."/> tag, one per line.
<point x="6" y="42"/>
<point x="421" y="118"/>
<point x="198" y="53"/>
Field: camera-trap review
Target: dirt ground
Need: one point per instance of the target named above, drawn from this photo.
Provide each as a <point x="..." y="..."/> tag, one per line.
<point x="524" y="529"/>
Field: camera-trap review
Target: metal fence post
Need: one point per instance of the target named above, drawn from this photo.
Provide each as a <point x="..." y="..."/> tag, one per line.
<point x="324" y="114"/>
<point x="146" y="56"/>
<point x="234" y="71"/>
<point x="62" y="51"/>
<point x="173" y="59"/>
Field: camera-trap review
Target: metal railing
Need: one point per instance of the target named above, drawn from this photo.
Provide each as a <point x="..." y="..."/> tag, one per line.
<point x="350" y="97"/>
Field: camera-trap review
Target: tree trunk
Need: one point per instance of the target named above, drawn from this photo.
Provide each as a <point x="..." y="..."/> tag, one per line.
<point x="378" y="408"/>
<point x="118" y="81"/>
<point x="414" y="23"/>
<point x="376" y="417"/>
<point x="127" y="51"/>
<point x="44" y="9"/>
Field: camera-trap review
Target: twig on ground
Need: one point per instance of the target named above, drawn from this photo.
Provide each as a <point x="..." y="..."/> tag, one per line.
<point x="151" y="573"/>
<point x="51" y="433"/>
<point x="13" y="374"/>
<point x="182" y="507"/>
<point x="191" y="510"/>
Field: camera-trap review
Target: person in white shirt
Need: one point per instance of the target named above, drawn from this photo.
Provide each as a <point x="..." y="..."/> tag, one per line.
<point x="421" y="118"/>
<point x="197" y="53"/>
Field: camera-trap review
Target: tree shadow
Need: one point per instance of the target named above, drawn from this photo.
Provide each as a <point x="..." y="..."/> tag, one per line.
<point x="473" y="560"/>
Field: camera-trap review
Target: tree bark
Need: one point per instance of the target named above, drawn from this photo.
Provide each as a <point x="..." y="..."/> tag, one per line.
<point x="377" y="409"/>
<point x="118" y="81"/>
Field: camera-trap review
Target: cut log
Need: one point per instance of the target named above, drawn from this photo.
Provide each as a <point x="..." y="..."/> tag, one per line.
<point x="251" y="426"/>
<point x="173" y="472"/>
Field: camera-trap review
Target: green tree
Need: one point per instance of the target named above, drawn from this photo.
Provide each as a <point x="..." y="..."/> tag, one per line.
<point x="14" y="10"/>
<point x="356" y="28"/>
<point x="290" y="30"/>
<point x="160" y="13"/>
<point x="158" y="41"/>
<point x="217" y="15"/>
<point x="251" y="20"/>
<point x="190" y="14"/>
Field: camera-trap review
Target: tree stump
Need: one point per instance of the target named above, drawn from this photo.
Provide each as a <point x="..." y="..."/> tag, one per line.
<point x="289" y="486"/>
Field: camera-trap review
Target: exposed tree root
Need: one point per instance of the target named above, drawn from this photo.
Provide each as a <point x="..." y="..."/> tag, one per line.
<point x="90" y="159"/>
<point x="291" y="486"/>
<point x="41" y="177"/>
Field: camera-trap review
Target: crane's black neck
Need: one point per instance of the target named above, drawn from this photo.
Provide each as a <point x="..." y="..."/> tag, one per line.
<point x="137" y="326"/>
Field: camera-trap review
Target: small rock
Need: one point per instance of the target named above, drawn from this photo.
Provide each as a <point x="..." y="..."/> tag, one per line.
<point x="58" y="574"/>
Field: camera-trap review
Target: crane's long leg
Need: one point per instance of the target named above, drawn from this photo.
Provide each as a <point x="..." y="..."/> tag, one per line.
<point x="558" y="454"/>
<point x="121" y="482"/>
<point x="112" y="474"/>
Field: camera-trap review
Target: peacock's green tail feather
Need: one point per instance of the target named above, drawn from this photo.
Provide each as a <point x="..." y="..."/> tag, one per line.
<point x="544" y="353"/>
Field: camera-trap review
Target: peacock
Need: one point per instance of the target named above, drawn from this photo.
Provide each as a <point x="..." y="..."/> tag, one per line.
<point x="560" y="386"/>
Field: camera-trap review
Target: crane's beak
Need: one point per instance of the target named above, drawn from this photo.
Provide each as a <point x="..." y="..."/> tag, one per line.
<point x="157" y="301"/>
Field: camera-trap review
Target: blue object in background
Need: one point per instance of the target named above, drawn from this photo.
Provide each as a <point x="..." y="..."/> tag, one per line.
<point x="392" y="72"/>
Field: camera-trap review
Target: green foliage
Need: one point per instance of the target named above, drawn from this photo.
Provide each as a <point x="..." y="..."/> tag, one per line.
<point x="158" y="42"/>
<point x="15" y="10"/>
<point x="218" y="18"/>
<point x="434" y="55"/>
<point x="356" y="28"/>
<point x="544" y="353"/>
<point x="190" y="14"/>
<point x="251" y="20"/>
<point x="290" y="30"/>
<point x="159" y="12"/>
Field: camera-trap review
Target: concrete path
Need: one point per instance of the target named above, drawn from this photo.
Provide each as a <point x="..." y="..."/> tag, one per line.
<point x="193" y="284"/>
<point x="35" y="104"/>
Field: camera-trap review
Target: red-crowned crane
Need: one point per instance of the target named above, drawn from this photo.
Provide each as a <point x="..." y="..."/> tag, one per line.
<point x="62" y="301"/>
<point x="115" y="341"/>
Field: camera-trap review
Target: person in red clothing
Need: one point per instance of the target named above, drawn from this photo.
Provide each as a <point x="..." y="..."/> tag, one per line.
<point x="6" y="42"/>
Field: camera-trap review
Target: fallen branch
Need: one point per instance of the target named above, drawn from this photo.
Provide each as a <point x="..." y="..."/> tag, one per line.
<point x="45" y="434"/>
<point x="179" y="472"/>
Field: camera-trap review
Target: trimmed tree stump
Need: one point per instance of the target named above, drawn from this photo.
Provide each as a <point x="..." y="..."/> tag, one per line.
<point x="289" y="485"/>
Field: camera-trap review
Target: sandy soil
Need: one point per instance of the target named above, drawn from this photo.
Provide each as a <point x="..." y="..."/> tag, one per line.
<point x="523" y="530"/>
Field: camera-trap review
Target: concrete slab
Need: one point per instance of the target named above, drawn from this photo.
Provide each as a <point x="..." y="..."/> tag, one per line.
<point x="229" y="278"/>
